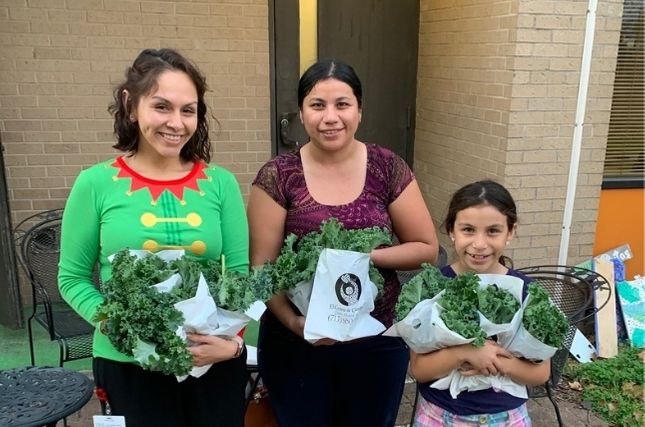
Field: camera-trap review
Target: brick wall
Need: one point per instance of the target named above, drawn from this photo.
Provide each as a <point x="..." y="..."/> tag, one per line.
<point x="497" y="86"/>
<point x="498" y="83"/>
<point x="61" y="59"/>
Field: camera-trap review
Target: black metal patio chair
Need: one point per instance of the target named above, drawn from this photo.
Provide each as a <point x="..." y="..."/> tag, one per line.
<point x="39" y="240"/>
<point x="572" y="290"/>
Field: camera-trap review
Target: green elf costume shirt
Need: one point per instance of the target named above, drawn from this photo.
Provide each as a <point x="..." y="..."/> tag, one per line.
<point x="111" y="207"/>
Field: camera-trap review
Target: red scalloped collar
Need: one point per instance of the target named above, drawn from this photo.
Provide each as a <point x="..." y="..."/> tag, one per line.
<point x="156" y="187"/>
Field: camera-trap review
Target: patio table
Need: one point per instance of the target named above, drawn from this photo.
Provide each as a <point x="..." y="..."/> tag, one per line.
<point x="36" y="396"/>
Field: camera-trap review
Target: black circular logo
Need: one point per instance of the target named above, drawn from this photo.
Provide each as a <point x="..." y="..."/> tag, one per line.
<point x="348" y="289"/>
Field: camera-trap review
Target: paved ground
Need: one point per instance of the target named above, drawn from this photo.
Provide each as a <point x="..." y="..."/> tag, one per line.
<point x="541" y="410"/>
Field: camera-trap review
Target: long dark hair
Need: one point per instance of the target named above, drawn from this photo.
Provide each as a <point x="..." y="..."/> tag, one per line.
<point x="485" y="192"/>
<point x="140" y="80"/>
<point x="329" y="69"/>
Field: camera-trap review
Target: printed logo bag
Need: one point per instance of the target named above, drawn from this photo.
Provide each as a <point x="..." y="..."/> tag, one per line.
<point x="342" y="298"/>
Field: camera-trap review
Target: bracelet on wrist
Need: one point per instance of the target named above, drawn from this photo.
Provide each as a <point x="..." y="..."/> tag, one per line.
<point x="240" y="346"/>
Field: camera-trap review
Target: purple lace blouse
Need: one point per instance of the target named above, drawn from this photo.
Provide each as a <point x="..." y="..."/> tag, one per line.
<point x="282" y="178"/>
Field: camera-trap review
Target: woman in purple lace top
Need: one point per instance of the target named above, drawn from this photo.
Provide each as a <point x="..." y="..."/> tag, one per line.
<point x="330" y="383"/>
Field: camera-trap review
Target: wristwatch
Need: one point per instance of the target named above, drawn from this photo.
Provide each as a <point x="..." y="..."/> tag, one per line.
<point x="240" y="345"/>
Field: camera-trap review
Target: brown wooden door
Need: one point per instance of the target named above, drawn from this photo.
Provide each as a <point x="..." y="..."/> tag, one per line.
<point x="379" y="38"/>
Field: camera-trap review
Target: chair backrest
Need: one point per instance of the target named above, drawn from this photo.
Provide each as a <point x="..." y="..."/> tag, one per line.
<point x="40" y="252"/>
<point x="571" y="288"/>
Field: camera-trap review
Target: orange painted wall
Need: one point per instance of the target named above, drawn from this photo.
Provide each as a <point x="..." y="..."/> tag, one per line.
<point x="621" y="219"/>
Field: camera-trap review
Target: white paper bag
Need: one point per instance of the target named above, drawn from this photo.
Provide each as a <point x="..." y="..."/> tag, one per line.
<point x="300" y="295"/>
<point x="342" y="298"/>
<point x="522" y="344"/>
<point x="457" y="383"/>
<point x="200" y="317"/>
<point x="424" y="331"/>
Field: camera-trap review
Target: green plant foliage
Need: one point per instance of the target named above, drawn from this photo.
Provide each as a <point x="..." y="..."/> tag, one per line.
<point x="463" y="298"/>
<point x="298" y="259"/>
<point x="498" y="305"/>
<point x="544" y="320"/>
<point x="424" y="285"/>
<point x="136" y="316"/>
<point x="614" y="387"/>
<point x="460" y="307"/>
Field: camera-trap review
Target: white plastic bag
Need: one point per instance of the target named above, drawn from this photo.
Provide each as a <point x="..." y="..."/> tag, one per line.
<point x="424" y="331"/>
<point x="342" y="298"/>
<point x="300" y="295"/>
<point x="457" y="383"/>
<point x="201" y="314"/>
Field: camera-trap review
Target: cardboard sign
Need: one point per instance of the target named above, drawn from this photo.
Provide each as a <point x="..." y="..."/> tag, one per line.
<point x="631" y="295"/>
<point x="606" y="334"/>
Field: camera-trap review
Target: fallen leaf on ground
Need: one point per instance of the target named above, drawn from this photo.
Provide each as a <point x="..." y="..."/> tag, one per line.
<point x="632" y="389"/>
<point x="575" y="385"/>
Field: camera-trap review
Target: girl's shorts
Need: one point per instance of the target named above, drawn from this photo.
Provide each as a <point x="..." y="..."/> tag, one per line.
<point x="429" y="415"/>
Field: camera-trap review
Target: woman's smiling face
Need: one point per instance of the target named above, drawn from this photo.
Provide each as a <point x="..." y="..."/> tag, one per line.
<point x="480" y="235"/>
<point x="167" y="116"/>
<point x="330" y="114"/>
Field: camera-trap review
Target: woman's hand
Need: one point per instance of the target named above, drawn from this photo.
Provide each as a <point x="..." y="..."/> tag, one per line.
<point x="296" y="325"/>
<point x="325" y="341"/>
<point x="209" y="349"/>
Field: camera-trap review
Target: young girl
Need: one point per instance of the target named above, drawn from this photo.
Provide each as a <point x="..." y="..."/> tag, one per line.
<point x="481" y="221"/>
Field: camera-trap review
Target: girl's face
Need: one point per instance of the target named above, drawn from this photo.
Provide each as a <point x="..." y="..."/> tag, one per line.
<point x="167" y="116"/>
<point x="480" y="235"/>
<point x="330" y="114"/>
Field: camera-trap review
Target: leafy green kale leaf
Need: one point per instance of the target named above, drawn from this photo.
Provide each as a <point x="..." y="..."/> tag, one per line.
<point x="498" y="305"/>
<point x="459" y="302"/>
<point x="134" y="312"/>
<point x="298" y="259"/>
<point x="424" y="285"/>
<point x="544" y="320"/>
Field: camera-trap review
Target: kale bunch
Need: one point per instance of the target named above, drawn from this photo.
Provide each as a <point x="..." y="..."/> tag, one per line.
<point x="298" y="259"/>
<point x="134" y="312"/>
<point x="235" y="291"/>
<point x="134" y="315"/>
<point x="459" y="300"/>
<point x="498" y="305"/>
<point x="544" y="320"/>
<point x="460" y="304"/>
<point x="424" y="285"/>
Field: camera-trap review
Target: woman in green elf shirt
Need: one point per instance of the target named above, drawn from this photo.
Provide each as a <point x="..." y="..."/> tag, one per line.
<point x="161" y="193"/>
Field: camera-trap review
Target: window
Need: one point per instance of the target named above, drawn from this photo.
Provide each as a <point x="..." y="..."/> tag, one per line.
<point x="625" y="160"/>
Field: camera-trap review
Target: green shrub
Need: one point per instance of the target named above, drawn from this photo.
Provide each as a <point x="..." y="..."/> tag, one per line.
<point x="614" y="387"/>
